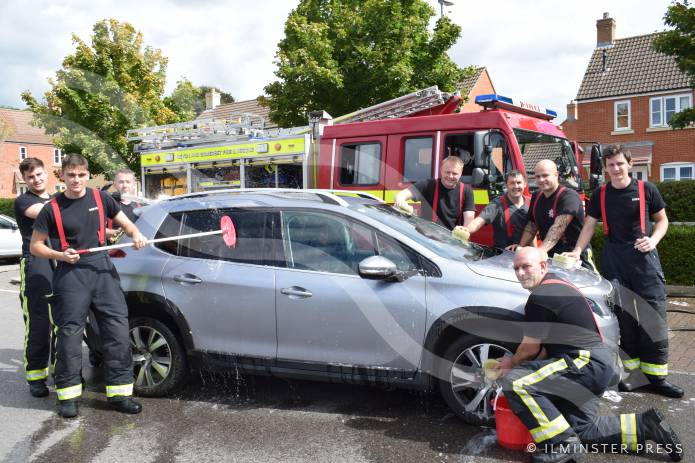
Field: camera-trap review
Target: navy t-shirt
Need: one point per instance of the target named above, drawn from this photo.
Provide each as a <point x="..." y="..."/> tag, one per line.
<point x="80" y="219"/>
<point x="449" y="209"/>
<point x="542" y="214"/>
<point x="26" y="224"/>
<point x="494" y="214"/>
<point x="622" y="209"/>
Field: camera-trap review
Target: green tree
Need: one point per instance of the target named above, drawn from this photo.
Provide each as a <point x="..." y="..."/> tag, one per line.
<point x="342" y="55"/>
<point x="680" y="43"/>
<point x="188" y="101"/>
<point x="100" y="92"/>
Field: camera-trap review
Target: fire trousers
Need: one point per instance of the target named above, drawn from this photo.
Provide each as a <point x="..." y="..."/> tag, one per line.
<point x="642" y="314"/>
<point x="36" y="275"/>
<point x="558" y="398"/>
<point x="92" y="281"/>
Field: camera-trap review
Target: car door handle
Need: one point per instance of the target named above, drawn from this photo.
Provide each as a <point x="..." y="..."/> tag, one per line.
<point x="296" y="292"/>
<point x="187" y="278"/>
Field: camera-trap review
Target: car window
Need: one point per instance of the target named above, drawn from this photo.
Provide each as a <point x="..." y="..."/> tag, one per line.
<point x="171" y="226"/>
<point x="4" y="223"/>
<point x="251" y="230"/>
<point x="327" y="243"/>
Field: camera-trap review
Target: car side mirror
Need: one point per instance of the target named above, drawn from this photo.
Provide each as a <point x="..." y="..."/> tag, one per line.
<point x="595" y="167"/>
<point x="14" y="226"/>
<point x="479" y="177"/>
<point x="377" y="268"/>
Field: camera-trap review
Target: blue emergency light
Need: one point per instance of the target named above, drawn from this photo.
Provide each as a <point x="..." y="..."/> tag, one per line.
<point x="494" y="100"/>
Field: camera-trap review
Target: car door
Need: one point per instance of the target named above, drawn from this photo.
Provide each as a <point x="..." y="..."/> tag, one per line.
<point x="328" y="314"/>
<point x="227" y="295"/>
<point x="10" y="238"/>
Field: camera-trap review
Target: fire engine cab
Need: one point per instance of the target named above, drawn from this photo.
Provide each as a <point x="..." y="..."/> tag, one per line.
<point x="380" y="150"/>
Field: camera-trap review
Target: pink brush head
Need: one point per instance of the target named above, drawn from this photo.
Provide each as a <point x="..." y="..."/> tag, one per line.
<point x="228" y="231"/>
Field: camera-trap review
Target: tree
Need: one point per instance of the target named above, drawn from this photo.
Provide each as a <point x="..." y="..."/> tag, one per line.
<point x="342" y="55"/>
<point x="188" y="101"/>
<point x="100" y="92"/>
<point x="680" y="43"/>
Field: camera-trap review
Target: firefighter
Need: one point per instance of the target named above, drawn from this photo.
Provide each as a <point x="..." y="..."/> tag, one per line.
<point x="76" y="219"/>
<point x="560" y="370"/>
<point x="556" y="213"/>
<point x="36" y="274"/>
<point x="629" y="256"/>
<point x="124" y="182"/>
<point x="446" y="200"/>
<point x="506" y="213"/>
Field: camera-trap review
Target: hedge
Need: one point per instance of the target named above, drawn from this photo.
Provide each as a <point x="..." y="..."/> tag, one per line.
<point x="7" y="206"/>
<point x="677" y="252"/>
<point x="680" y="200"/>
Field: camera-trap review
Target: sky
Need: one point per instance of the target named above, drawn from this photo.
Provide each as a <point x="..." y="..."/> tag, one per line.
<point x="534" y="50"/>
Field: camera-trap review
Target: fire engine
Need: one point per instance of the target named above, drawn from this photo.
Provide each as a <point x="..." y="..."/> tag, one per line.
<point x="379" y="150"/>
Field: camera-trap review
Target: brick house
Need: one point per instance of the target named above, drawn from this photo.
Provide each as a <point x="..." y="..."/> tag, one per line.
<point x="627" y="96"/>
<point x="19" y="140"/>
<point x="477" y="84"/>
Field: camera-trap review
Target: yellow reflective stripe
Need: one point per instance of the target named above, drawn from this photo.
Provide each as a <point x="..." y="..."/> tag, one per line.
<point x="628" y="431"/>
<point x="54" y="346"/>
<point x="631" y="364"/>
<point x="654" y="369"/>
<point x="35" y="375"/>
<point x="533" y="378"/>
<point x="121" y="389"/>
<point x="481" y="196"/>
<point x="583" y="358"/>
<point x="550" y="430"/>
<point x="25" y="306"/>
<point x="69" y="392"/>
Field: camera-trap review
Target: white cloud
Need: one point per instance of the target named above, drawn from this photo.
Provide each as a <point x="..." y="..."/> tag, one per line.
<point x="534" y="50"/>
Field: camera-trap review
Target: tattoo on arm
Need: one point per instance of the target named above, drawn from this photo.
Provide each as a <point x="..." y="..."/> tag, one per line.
<point x="556" y="231"/>
<point x="528" y="235"/>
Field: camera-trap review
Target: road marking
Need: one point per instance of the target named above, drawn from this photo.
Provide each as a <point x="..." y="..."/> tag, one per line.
<point x="9" y="291"/>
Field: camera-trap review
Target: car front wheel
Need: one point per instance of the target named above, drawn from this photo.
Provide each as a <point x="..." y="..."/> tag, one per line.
<point x="462" y="380"/>
<point x="159" y="364"/>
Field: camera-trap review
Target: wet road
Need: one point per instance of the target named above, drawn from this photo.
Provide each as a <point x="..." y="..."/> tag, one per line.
<point x="259" y="419"/>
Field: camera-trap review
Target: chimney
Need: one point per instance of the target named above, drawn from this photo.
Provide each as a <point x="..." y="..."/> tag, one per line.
<point x="572" y="111"/>
<point x="212" y="99"/>
<point x="605" y="31"/>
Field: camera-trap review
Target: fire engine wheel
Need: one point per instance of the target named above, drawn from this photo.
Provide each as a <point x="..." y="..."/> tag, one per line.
<point x="462" y="381"/>
<point x="159" y="364"/>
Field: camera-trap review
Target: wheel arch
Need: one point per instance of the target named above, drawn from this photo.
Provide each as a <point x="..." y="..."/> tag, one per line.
<point x="146" y="304"/>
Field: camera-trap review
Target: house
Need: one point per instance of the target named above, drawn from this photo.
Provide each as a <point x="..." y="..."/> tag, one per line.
<point x="479" y="83"/>
<point x="627" y="96"/>
<point x="19" y="140"/>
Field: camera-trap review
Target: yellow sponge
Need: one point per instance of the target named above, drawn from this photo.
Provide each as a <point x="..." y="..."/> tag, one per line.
<point x="491" y="370"/>
<point x="564" y="261"/>
<point x="407" y="208"/>
<point x="461" y="233"/>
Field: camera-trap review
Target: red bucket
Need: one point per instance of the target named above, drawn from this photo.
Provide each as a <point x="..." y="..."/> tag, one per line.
<point x="511" y="432"/>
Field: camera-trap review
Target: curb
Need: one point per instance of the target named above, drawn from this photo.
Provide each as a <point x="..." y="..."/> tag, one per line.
<point x="680" y="291"/>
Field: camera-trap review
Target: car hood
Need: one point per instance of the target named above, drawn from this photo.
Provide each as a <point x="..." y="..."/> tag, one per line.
<point x="502" y="267"/>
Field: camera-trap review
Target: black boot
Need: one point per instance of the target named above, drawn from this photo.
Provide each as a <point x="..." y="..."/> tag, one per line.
<point x="657" y="430"/>
<point x="38" y="388"/>
<point x="126" y="405"/>
<point x="68" y="408"/>
<point x="664" y="388"/>
<point x="563" y="452"/>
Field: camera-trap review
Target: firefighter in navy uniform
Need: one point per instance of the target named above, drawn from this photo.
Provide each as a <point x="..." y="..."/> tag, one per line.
<point x="446" y="200"/>
<point x="560" y="370"/>
<point x="76" y="219"/>
<point x="629" y="256"/>
<point x="36" y="274"/>
<point x="556" y="213"/>
<point x="507" y="213"/>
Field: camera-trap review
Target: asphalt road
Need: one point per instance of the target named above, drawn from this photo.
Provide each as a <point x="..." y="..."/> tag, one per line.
<point x="257" y="419"/>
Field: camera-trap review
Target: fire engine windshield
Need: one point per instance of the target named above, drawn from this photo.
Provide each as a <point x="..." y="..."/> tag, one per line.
<point x="430" y="235"/>
<point x="535" y="146"/>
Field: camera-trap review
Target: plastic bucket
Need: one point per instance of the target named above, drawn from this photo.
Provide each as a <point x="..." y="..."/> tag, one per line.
<point x="511" y="432"/>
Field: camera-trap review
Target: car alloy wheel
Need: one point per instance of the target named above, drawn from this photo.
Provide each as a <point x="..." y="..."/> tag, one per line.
<point x="152" y="356"/>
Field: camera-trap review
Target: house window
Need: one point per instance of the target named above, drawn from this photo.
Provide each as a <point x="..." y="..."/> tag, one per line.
<point x="21" y="189"/>
<point x="22" y="153"/>
<point x="662" y="108"/>
<point x="623" y="118"/>
<point x="57" y="156"/>
<point x="60" y="187"/>
<point x="639" y="172"/>
<point x="677" y="171"/>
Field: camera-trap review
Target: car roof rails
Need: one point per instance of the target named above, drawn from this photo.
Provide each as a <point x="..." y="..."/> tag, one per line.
<point x="327" y="196"/>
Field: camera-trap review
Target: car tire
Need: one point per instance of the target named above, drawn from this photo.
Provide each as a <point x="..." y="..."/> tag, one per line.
<point x="159" y="362"/>
<point x="462" y="365"/>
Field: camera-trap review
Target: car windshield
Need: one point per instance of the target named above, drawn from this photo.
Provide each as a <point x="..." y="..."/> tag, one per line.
<point x="430" y="235"/>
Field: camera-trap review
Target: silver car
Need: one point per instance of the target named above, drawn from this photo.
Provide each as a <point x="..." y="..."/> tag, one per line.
<point x="10" y="238"/>
<point x="325" y="285"/>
